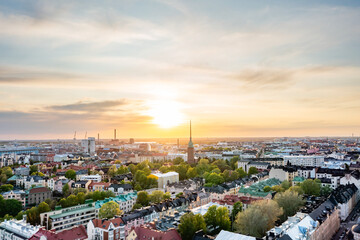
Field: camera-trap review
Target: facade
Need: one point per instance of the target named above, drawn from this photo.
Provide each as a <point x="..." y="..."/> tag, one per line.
<point x="38" y="195"/>
<point x="22" y="171"/>
<point x="165" y="178"/>
<point x="143" y="232"/>
<point x="94" y="178"/>
<point x="304" y="160"/>
<point x="102" y="229"/>
<point x="118" y="189"/>
<point x="88" y="145"/>
<point x="125" y="201"/>
<point x="66" y="218"/>
<point x="59" y="184"/>
<point x="30" y="181"/>
<point x="16" y="230"/>
<point x="283" y="173"/>
<point x="345" y="197"/>
<point x="98" y="186"/>
<point x="19" y="195"/>
<point x="352" y="178"/>
<point x="226" y="235"/>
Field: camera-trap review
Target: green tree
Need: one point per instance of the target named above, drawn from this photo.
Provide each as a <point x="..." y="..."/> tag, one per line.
<point x="267" y="189"/>
<point x="181" y="170"/>
<point x="210" y="217"/>
<point x="7" y="171"/>
<point x="214" y="179"/>
<point x="6" y="187"/>
<point x="136" y="206"/>
<point x="234" y="162"/>
<point x="109" y="210"/>
<point x="180" y="194"/>
<point x="297" y="189"/>
<point x="290" y="202"/>
<point x="178" y="161"/>
<point x="164" y="169"/>
<point x="191" y="172"/>
<point x="66" y="190"/>
<point x="286" y="184"/>
<point x="277" y="188"/>
<point x="325" y="191"/>
<point x="166" y="196"/>
<point x="237" y="207"/>
<point x="112" y="171"/>
<point x="258" y="218"/>
<point x="156" y="196"/>
<point x="143" y="198"/>
<point x="189" y="224"/>
<point x="70" y="174"/>
<point x="242" y="173"/>
<point x="33" y="168"/>
<point x="252" y="171"/>
<point x="43" y="207"/>
<point x="54" y="169"/>
<point x="311" y="187"/>
<point x="13" y="207"/>
<point x="217" y="218"/>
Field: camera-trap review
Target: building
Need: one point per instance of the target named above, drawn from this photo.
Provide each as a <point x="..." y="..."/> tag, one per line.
<point x="118" y="189"/>
<point x="226" y="235"/>
<point x="78" y="233"/>
<point x="283" y="173"/>
<point x="356" y="230"/>
<point x="38" y="195"/>
<point x="143" y="232"/>
<point x="59" y="184"/>
<point x="19" y="195"/>
<point x="228" y="202"/>
<point x="94" y="178"/>
<point x="16" y="230"/>
<point x="304" y="160"/>
<point x="352" y="177"/>
<point x="66" y="218"/>
<point x="98" y="186"/>
<point x="88" y="145"/>
<point x="165" y="178"/>
<point x="345" y="198"/>
<point x="102" y="229"/>
<point x="125" y="201"/>
<point x="257" y="189"/>
<point x="30" y="181"/>
<point x="247" y="164"/>
<point x="80" y="184"/>
<point x="22" y="171"/>
<point x="190" y="150"/>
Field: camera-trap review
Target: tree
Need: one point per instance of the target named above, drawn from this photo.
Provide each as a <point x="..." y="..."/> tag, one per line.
<point x="325" y="191"/>
<point x="253" y="170"/>
<point x="178" y="161"/>
<point x="189" y="224"/>
<point x="180" y="194"/>
<point x="143" y="198"/>
<point x="237" y="207"/>
<point x="112" y="171"/>
<point x="164" y="169"/>
<point x="157" y="196"/>
<point x="181" y="170"/>
<point x="286" y="184"/>
<point x="6" y="187"/>
<point x="13" y="207"/>
<point x="191" y="172"/>
<point x="290" y="201"/>
<point x="214" y="179"/>
<point x="136" y="206"/>
<point x="267" y="189"/>
<point x="258" y="218"/>
<point x="297" y="189"/>
<point x="242" y="173"/>
<point x="166" y="196"/>
<point x="277" y="188"/>
<point x="311" y="187"/>
<point x="33" y="168"/>
<point x="217" y="218"/>
<point x="43" y="207"/>
<point x="54" y="169"/>
<point x="70" y="174"/>
<point x="234" y="162"/>
<point x="66" y="190"/>
<point x="7" y="171"/>
<point x="109" y="210"/>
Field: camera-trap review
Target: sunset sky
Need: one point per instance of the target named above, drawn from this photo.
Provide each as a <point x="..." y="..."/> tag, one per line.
<point x="235" y="68"/>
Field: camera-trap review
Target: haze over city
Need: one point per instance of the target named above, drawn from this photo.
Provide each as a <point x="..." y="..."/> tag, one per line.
<point x="235" y="68"/>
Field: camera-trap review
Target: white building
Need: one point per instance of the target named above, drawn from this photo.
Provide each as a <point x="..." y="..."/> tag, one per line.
<point x="100" y="229"/>
<point x="94" y="178"/>
<point x="16" y="230"/>
<point x="311" y="161"/>
<point x="225" y="235"/>
<point x="88" y="145"/>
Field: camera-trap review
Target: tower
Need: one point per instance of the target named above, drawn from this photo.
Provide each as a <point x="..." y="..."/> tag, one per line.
<point x="190" y="149"/>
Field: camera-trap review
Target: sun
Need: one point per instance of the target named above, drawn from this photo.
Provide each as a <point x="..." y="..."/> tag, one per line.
<point x="166" y="114"/>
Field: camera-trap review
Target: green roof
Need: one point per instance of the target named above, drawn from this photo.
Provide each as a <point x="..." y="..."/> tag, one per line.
<point x="67" y="211"/>
<point x="298" y="179"/>
<point x="257" y="189"/>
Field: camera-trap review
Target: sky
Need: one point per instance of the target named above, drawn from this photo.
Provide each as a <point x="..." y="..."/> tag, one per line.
<point x="146" y="67"/>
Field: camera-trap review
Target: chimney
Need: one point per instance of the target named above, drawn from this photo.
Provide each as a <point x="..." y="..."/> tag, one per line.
<point x="114" y="134"/>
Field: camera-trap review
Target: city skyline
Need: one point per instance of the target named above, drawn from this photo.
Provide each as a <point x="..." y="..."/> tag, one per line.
<point x="145" y="68"/>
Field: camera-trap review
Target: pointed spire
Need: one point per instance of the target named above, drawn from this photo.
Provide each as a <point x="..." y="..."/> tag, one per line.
<point x="190" y="132"/>
<point x="191" y="145"/>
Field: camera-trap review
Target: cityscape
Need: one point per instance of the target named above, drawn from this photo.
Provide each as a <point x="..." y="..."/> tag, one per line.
<point x="179" y="120"/>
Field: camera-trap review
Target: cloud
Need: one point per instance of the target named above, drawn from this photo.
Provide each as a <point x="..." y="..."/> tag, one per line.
<point x="90" y="107"/>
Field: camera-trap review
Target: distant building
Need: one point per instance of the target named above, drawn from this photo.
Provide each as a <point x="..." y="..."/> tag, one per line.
<point x="283" y="173"/>
<point x="94" y="178"/>
<point x="226" y="235"/>
<point x="19" y="195"/>
<point x="165" y="178"/>
<point x="78" y="233"/>
<point x="88" y="145"/>
<point x="22" y="171"/>
<point x="125" y="201"/>
<point x="311" y="161"/>
<point x="16" y="230"/>
<point x="143" y="232"/>
<point x="132" y="141"/>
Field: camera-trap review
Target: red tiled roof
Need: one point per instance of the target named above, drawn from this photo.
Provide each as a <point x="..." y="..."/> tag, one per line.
<point x="104" y="224"/>
<point x="39" y="190"/>
<point x="148" y="233"/>
<point x="74" y="233"/>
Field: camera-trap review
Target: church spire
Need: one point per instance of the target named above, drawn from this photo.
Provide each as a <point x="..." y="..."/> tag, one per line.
<point x="190" y="145"/>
